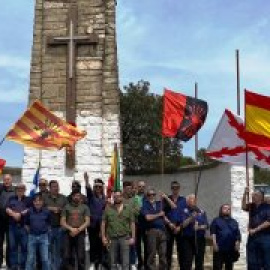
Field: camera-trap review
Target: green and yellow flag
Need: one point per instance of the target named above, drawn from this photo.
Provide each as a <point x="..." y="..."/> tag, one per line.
<point x="114" y="183"/>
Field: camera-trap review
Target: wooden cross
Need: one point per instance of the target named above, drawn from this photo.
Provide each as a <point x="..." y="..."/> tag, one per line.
<point x="72" y="40"/>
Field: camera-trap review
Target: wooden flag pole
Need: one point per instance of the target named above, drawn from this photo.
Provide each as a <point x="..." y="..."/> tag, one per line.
<point x="198" y="177"/>
<point x="162" y="162"/>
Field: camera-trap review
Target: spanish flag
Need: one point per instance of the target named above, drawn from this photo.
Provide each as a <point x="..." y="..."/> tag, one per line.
<point x="40" y="128"/>
<point x="2" y="165"/>
<point x="257" y="131"/>
<point x="114" y="183"/>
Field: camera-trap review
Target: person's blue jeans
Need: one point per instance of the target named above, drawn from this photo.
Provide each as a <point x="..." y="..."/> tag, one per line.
<point x="258" y="248"/>
<point x="40" y="243"/>
<point x="56" y="241"/>
<point x="17" y="246"/>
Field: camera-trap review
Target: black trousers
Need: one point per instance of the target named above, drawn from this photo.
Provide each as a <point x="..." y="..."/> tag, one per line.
<point x="193" y="248"/>
<point x="220" y="259"/>
<point x="171" y="238"/>
<point x="141" y="241"/>
<point x="4" y="236"/>
<point x="96" y="246"/>
<point x="74" y="248"/>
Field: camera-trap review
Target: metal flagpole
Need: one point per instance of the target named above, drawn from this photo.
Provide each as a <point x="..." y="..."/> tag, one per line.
<point x="2" y="141"/>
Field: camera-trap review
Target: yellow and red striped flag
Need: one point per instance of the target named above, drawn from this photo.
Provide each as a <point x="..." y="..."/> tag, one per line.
<point x="2" y="165"/>
<point x="114" y="183"/>
<point x="40" y="128"/>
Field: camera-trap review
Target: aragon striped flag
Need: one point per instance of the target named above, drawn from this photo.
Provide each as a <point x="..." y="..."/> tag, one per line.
<point x="257" y="132"/>
<point x="183" y="116"/>
<point x="114" y="183"/>
<point x="40" y="128"/>
<point x="2" y="165"/>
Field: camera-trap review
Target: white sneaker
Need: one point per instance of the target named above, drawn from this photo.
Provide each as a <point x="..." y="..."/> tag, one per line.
<point x="91" y="267"/>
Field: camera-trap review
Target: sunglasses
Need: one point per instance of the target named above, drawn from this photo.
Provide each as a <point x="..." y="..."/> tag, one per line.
<point x="175" y="187"/>
<point x="151" y="194"/>
<point x="98" y="186"/>
<point x="141" y="186"/>
<point x="42" y="184"/>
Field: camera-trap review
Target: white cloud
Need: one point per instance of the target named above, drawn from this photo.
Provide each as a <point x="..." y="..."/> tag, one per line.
<point x="11" y="62"/>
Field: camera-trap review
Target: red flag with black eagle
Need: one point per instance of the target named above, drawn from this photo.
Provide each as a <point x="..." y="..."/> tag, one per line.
<point x="183" y="116"/>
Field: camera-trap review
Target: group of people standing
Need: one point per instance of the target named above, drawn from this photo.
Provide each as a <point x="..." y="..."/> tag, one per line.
<point x="48" y="230"/>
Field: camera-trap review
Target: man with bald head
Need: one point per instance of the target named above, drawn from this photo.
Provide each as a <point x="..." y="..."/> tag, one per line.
<point x="258" y="245"/>
<point x="194" y="225"/>
<point x="7" y="191"/>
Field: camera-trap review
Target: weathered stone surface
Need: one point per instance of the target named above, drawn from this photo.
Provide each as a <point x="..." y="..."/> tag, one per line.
<point x="97" y="98"/>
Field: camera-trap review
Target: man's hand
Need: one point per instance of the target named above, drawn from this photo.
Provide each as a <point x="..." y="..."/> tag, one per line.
<point x="177" y="229"/>
<point x="24" y="212"/>
<point x="237" y="245"/>
<point x="131" y="241"/>
<point x="162" y="195"/>
<point x="252" y="231"/>
<point x="86" y="178"/>
<point x="105" y="241"/>
<point x="17" y="216"/>
<point x="73" y="232"/>
<point x="161" y="214"/>
<point x="172" y="226"/>
<point x="215" y="247"/>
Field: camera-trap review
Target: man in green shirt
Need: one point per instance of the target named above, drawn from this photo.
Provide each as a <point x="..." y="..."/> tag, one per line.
<point x="118" y="231"/>
<point x="75" y="219"/>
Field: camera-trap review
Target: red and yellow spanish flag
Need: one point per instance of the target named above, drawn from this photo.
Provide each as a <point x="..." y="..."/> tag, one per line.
<point x="257" y="131"/>
<point x="2" y="165"/>
<point x="114" y="183"/>
<point x="40" y="128"/>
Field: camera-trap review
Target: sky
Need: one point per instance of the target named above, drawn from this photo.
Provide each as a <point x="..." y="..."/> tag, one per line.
<point x="170" y="43"/>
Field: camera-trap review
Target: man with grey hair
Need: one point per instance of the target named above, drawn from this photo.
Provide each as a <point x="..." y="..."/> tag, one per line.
<point x="258" y="245"/>
<point x="7" y="191"/>
<point x="194" y="225"/>
<point x="156" y="220"/>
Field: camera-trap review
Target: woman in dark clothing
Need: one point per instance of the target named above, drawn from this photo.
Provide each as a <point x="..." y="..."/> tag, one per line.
<point x="226" y="239"/>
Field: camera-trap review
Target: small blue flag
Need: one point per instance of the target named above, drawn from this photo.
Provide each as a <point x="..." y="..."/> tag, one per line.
<point x="35" y="182"/>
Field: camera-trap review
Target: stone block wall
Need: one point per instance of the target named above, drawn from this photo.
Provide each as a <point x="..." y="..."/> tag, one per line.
<point x="97" y="91"/>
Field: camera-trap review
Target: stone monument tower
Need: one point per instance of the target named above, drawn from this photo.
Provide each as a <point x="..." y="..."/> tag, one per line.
<point x="74" y="73"/>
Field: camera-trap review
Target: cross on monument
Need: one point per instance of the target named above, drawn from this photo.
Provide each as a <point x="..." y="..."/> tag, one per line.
<point x="72" y="40"/>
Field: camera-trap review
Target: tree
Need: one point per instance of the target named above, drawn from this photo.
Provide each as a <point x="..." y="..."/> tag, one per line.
<point x="141" y="118"/>
<point x="202" y="157"/>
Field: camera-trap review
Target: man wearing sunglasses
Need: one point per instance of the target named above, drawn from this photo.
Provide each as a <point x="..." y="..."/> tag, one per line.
<point x="96" y="203"/>
<point x="173" y="225"/>
<point x="43" y="187"/>
<point x="156" y="221"/>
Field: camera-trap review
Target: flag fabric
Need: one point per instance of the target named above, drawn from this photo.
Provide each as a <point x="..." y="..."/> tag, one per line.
<point x="33" y="191"/>
<point x="114" y="183"/>
<point x="228" y="144"/>
<point x="2" y="165"/>
<point x="183" y="116"/>
<point x="40" y="128"/>
<point x="257" y="120"/>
